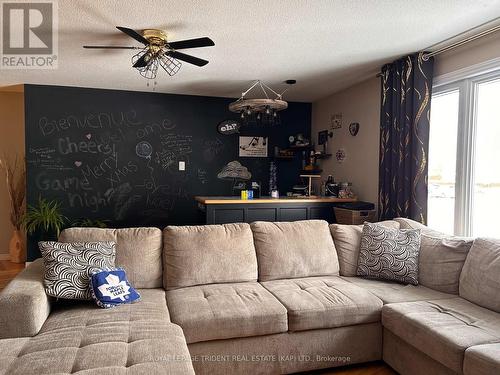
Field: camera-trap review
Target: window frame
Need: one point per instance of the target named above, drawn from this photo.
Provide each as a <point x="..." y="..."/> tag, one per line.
<point x="466" y="82"/>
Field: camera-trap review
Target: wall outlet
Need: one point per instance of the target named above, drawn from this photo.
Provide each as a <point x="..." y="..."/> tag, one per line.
<point x="182" y="165"/>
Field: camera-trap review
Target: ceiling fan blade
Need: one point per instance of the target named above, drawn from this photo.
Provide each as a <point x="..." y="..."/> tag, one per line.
<point x="111" y="47"/>
<point x="142" y="61"/>
<point x="188" y="58"/>
<point x="133" y="34"/>
<point x="192" y="43"/>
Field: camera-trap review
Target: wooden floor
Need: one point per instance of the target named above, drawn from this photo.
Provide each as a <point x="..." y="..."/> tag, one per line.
<point x="9" y="270"/>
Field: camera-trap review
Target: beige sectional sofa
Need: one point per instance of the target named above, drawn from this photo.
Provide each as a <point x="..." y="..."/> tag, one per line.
<point x="265" y="298"/>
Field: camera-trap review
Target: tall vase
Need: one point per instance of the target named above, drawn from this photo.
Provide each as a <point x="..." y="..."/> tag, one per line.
<point x="17" y="251"/>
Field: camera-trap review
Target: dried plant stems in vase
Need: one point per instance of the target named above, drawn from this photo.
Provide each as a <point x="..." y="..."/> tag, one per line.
<point x="15" y="178"/>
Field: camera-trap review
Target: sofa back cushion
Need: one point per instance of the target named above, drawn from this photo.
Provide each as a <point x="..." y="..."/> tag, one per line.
<point x="480" y="277"/>
<point x="294" y="249"/>
<point x="208" y="254"/>
<point x="441" y="261"/>
<point x="138" y="251"/>
<point x="347" y="239"/>
<point x="442" y="257"/>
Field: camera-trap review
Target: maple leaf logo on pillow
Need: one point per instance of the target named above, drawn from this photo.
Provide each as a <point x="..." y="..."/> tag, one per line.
<point x="114" y="289"/>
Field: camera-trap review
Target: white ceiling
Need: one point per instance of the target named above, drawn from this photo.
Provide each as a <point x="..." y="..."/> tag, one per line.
<point x="326" y="45"/>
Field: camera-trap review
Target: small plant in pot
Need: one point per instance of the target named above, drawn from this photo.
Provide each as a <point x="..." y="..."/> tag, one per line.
<point x="45" y="219"/>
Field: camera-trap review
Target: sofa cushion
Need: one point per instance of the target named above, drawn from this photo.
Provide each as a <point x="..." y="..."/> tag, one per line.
<point x="442" y="257"/>
<point x="482" y="360"/>
<point x="389" y="254"/>
<point x="347" y="239"/>
<point x="442" y="329"/>
<point x="391" y="292"/>
<point x="324" y="302"/>
<point x="138" y="251"/>
<point x="441" y="261"/>
<point x="81" y="338"/>
<point x="68" y="266"/>
<point x="294" y="249"/>
<point x="480" y="277"/>
<point x="208" y="254"/>
<point x="222" y="311"/>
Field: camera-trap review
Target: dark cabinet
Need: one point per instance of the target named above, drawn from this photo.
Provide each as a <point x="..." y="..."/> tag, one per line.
<point x="281" y="210"/>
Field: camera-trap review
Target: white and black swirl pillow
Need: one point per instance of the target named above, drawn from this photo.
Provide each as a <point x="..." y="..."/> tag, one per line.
<point x="68" y="266"/>
<point x="389" y="254"/>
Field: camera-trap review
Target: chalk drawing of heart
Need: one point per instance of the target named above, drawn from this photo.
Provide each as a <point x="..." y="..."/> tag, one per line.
<point x="88" y="136"/>
<point x="78" y="163"/>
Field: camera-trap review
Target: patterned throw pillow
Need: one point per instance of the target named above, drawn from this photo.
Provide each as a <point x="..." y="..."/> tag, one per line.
<point x="111" y="288"/>
<point x="389" y="254"/>
<point x="68" y="266"/>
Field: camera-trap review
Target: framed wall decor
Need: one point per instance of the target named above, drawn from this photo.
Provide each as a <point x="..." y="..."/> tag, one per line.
<point x="253" y="147"/>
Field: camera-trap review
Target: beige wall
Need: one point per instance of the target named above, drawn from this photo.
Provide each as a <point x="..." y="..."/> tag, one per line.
<point x="361" y="103"/>
<point x="11" y="144"/>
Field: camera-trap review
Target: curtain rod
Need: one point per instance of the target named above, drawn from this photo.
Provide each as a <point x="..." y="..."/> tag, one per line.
<point x="460" y="43"/>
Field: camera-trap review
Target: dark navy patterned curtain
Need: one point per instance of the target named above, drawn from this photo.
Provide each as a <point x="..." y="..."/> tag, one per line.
<point x="404" y="138"/>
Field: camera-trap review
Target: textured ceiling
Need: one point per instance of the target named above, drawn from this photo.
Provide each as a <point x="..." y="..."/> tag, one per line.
<point x="326" y="45"/>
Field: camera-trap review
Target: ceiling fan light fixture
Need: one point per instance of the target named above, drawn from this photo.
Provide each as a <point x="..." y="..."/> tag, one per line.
<point x="157" y="51"/>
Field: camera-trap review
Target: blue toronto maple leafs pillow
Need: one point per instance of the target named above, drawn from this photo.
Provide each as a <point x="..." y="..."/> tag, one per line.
<point x="111" y="288"/>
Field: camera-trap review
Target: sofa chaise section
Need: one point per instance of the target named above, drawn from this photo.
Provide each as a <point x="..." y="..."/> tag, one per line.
<point x="80" y="338"/>
<point x="482" y="360"/>
<point x="442" y="329"/>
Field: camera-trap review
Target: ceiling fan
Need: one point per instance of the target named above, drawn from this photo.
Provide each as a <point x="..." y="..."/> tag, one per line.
<point x="158" y="51"/>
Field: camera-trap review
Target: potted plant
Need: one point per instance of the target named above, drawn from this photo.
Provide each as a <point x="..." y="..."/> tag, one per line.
<point x="44" y="219"/>
<point x="15" y="178"/>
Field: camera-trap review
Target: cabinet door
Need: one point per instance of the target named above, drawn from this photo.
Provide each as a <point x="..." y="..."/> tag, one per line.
<point x="227" y="215"/>
<point x="261" y="214"/>
<point x="293" y="214"/>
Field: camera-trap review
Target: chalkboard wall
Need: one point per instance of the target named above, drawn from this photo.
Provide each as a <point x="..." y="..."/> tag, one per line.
<point x="114" y="155"/>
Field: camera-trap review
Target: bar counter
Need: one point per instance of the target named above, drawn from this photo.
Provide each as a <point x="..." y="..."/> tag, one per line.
<point x="223" y="209"/>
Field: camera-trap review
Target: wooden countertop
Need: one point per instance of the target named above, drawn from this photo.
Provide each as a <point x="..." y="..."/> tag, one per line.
<point x="236" y="200"/>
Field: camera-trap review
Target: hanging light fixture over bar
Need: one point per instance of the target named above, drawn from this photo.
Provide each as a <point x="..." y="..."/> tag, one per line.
<point x="261" y="110"/>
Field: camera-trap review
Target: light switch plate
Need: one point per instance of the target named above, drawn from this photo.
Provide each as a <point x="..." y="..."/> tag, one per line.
<point x="182" y="165"/>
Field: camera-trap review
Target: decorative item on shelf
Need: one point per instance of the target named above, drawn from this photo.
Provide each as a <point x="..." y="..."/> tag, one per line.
<point x="273" y="177"/>
<point x="331" y="187"/>
<point x="346" y="190"/>
<point x="298" y="141"/>
<point x="236" y="173"/>
<point x="256" y="189"/>
<point x="336" y="121"/>
<point x="15" y="178"/>
<point x="158" y="51"/>
<point x="323" y="140"/>
<point x="311" y="166"/>
<point x="228" y="127"/>
<point x="287" y="154"/>
<point x="260" y="110"/>
<point x="340" y="155"/>
<point x="354" y="128"/>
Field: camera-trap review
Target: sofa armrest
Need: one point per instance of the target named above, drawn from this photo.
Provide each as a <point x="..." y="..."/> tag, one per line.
<point x="24" y="306"/>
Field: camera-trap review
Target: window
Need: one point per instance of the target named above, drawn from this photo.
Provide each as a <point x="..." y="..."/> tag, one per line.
<point x="464" y="157"/>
